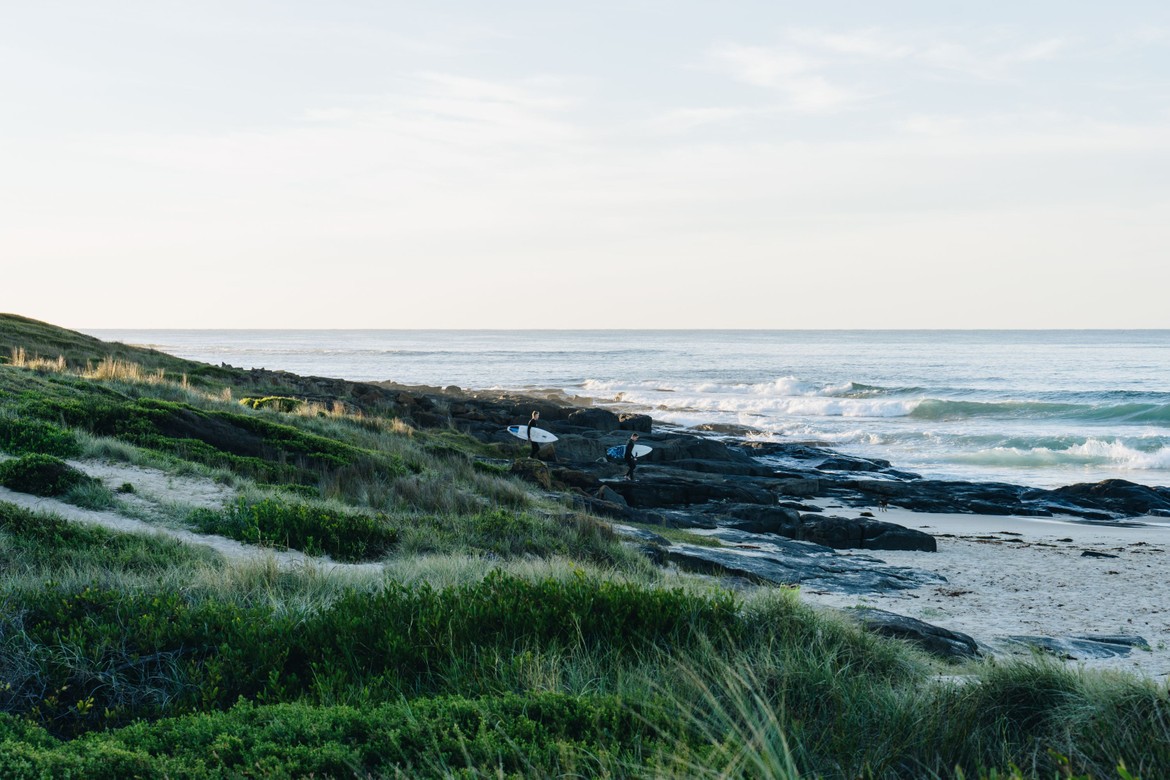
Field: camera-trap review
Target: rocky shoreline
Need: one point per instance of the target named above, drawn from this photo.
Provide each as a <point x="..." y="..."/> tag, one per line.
<point x="781" y="513"/>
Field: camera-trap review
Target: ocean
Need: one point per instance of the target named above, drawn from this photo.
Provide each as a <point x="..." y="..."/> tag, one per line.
<point x="1040" y="408"/>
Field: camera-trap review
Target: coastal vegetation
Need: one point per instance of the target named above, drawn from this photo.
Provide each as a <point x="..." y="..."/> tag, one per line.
<point x="455" y="618"/>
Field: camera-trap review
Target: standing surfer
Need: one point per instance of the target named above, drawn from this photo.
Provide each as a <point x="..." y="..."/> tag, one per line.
<point x="631" y="458"/>
<point x="532" y="421"/>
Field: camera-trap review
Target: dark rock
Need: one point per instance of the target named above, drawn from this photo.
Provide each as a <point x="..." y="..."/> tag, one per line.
<point x="786" y="562"/>
<point x="842" y="533"/>
<point x="597" y="419"/>
<point x="572" y="478"/>
<point x="658" y="489"/>
<point x="1117" y="496"/>
<point x="1084" y="646"/>
<point x="577" y="449"/>
<point x="606" y="493"/>
<point x="1095" y="554"/>
<point x="838" y="462"/>
<point x="733" y="468"/>
<point x="635" y="422"/>
<point x="802" y="487"/>
<point x="676" y="518"/>
<point x="761" y="519"/>
<point x="935" y="640"/>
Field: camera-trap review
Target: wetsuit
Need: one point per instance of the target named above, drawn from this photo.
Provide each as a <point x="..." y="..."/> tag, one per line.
<point x="535" y="446"/>
<point x="631" y="461"/>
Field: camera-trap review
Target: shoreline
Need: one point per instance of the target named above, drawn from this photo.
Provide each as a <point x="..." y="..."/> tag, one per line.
<point x="1021" y="576"/>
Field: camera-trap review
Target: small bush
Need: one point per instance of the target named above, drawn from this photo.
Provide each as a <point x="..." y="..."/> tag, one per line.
<point x="21" y="435"/>
<point x="278" y="403"/>
<point x="41" y="475"/>
<point x="316" y="530"/>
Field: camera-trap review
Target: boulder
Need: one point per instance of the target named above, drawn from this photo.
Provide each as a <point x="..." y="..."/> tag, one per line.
<point x="762" y="519"/>
<point x="786" y="562"/>
<point x="578" y="449"/>
<point x="839" y="533"/>
<point x="606" y="493"/>
<point x="598" y="419"/>
<point x="1083" y="646"/>
<point x="842" y="533"/>
<point x="839" y="462"/>
<point x="635" y="422"/>
<point x="1117" y="495"/>
<point x="941" y="642"/>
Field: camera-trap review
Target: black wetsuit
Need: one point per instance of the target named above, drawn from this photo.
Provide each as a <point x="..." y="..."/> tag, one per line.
<point x="631" y="461"/>
<point x="535" y="446"/>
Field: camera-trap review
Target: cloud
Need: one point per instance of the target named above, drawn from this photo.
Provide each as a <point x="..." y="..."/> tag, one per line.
<point x="818" y="71"/>
<point x="793" y="74"/>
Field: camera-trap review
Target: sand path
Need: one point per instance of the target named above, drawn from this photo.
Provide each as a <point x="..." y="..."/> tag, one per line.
<point x="153" y="489"/>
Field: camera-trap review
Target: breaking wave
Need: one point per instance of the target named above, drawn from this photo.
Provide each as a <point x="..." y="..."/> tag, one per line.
<point x="1092" y="452"/>
<point x="793" y="397"/>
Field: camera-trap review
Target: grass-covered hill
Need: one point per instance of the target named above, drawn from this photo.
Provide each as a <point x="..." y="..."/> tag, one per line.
<point x="210" y="572"/>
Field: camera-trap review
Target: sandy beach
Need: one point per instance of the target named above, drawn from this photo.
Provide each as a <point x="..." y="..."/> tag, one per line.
<point x="1021" y="576"/>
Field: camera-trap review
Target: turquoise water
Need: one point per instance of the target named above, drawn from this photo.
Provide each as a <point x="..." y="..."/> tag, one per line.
<point x="1042" y="408"/>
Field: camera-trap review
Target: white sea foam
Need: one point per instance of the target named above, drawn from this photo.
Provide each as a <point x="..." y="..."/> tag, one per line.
<point x="1092" y="452"/>
<point x="786" y="397"/>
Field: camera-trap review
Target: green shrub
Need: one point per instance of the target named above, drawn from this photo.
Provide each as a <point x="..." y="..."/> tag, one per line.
<point x="541" y="735"/>
<point x="22" y="435"/>
<point x="41" y="475"/>
<point x="316" y="530"/>
<point x="111" y="655"/>
<point x="278" y="403"/>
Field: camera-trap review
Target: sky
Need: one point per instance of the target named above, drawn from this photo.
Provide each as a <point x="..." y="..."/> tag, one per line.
<point x="348" y="164"/>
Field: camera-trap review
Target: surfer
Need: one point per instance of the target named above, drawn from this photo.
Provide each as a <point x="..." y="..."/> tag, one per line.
<point x="532" y="421"/>
<point x="631" y="458"/>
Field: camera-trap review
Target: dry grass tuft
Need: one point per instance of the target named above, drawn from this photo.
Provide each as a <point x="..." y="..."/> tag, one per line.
<point x="21" y="359"/>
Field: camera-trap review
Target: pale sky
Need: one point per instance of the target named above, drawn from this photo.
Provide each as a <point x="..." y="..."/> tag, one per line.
<point x="585" y="165"/>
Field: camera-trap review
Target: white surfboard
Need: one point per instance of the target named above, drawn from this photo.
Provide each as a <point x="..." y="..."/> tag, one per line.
<point x="619" y="451"/>
<point x="539" y="435"/>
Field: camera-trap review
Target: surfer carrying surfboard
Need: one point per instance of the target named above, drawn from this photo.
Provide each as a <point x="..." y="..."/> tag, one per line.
<point x="531" y="423"/>
<point x="631" y="458"/>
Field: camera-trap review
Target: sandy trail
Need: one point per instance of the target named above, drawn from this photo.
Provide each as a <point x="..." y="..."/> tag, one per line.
<point x="154" y="488"/>
<point x="1026" y="576"/>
